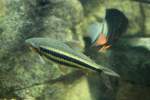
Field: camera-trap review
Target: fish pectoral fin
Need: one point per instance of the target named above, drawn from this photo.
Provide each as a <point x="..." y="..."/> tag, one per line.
<point x="41" y="59"/>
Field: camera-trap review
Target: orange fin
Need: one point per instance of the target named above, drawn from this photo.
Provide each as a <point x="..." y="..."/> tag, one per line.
<point x="101" y="40"/>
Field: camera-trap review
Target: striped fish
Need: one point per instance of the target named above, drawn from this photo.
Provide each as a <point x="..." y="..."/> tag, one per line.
<point x="61" y="53"/>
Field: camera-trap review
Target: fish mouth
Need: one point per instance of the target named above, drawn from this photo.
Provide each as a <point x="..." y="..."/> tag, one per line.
<point x="31" y="46"/>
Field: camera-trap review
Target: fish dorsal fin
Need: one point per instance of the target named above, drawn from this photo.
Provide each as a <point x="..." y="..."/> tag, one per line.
<point x="74" y="44"/>
<point x="97" y="30"/>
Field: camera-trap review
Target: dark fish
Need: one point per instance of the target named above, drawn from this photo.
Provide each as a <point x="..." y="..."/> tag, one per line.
<point x="105" y="34"/>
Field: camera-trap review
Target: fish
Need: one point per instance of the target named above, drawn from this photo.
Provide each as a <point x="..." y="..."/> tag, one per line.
<point x="106" y="33"/>
<point x="97" y="30"/>
<point x="98" y="33"/>
<point x="60" y="53"/>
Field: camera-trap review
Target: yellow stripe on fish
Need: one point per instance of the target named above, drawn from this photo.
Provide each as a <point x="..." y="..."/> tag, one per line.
<point x="67" y="59"/>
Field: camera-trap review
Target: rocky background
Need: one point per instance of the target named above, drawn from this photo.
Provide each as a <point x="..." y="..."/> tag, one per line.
<point x="23" y="76"/>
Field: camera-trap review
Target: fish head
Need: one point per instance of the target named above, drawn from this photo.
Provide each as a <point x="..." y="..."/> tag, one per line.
<point x="33" y="44"/>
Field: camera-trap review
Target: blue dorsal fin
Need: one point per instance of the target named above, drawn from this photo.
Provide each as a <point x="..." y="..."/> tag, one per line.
<point x="94" y="30"/>
<point x="105" y="28"/>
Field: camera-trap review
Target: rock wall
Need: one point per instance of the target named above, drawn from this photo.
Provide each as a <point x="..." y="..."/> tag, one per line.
<point x="22" y="74"/>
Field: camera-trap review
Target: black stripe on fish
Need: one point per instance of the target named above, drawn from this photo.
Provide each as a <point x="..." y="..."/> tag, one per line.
<point x="66" y="58"/>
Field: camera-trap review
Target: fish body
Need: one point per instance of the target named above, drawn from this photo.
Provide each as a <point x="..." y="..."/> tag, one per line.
<point x="98" y="32"/>
<point x="61" y="53"/>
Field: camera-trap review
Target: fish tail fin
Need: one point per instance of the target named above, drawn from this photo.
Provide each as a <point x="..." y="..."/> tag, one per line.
<point x="108" y="72"/>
